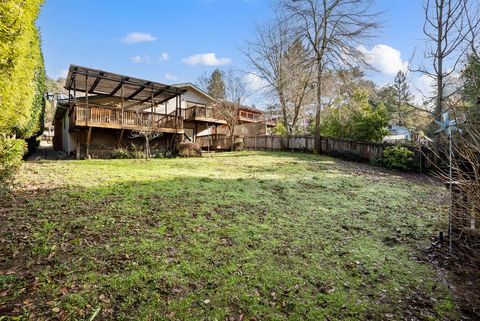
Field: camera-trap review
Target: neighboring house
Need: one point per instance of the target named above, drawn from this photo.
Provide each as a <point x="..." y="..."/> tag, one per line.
<point x="398" y="134"/>
<point x="251" y="121"/>
<point x="246" y="115"/>
<point x="103" y="109"/>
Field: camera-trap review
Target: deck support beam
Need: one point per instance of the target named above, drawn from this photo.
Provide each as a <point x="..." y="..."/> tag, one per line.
<point x="87" y="143"/>
<point x="77" y="148"/>
<point x="123" y="102"/>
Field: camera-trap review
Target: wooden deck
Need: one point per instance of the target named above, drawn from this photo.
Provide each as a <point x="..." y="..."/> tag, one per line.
<point x="203" y="114"/>
<point x="112" y="117"/>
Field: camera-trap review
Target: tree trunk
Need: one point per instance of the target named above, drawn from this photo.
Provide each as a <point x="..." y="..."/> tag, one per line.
<point x="318" y="142"/>
<point x="439" y="101"/>
<point x="232" y="139"/>
<point x="147" y="148"/>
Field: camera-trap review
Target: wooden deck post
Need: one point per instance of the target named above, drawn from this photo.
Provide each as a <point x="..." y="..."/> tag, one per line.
<point x="151" y="110"/>
<point x="77" y="149"/>
<point x="123" y="91"/>
<point x="196" y="131"/>
<point x="87" y="112"/>
<point x="74" y="89"/>
<point x="87" y="143"/>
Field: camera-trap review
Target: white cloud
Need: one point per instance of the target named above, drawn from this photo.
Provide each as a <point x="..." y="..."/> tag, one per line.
<point x="140" y="59"/>
<point x="171" y="77"/>
<point x="385" y="59"/>
<point x="64" y="73"/>
<point x="207" y="59"/>
<point x="254" y="82"/>
<point x="136" y="37"/>
<point x="164" y="57"/>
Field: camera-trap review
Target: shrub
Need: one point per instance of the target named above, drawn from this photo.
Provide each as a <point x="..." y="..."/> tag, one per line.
<point x="159" y="154"/>
<point x="121" y="154"/>
<point x="238" y="146"/>
<point x="11" y="152"/>
<point x="398" y="157"/>
<point x="279" y="129"/>
<point x="170" y="154"/>
<point x="376" y="161"/>
<point x="188" y="149"/>
<point x="137" y="154"/>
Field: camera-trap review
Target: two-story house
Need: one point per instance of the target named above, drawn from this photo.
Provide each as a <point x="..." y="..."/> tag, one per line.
<point x="103" y="109"/>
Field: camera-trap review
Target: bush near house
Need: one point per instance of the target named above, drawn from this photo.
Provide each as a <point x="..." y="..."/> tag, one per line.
<point x="398" y="157"/>
<point x="188" y="149"/>
<point x="238" y="146"/>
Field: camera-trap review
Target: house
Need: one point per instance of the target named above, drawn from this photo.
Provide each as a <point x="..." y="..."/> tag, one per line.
<point x="398" y="134"/>
<point x="247" y="115"/>
<point x="197" y="111"/>
<point x="103" y="109"/>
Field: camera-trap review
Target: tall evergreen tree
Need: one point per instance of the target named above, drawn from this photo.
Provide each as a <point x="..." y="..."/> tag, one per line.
<point x="216" y="85"/>
<point x="403" y="98"/>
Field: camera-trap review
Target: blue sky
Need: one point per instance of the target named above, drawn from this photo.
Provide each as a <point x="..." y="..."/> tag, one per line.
<point x="176" y="40"/>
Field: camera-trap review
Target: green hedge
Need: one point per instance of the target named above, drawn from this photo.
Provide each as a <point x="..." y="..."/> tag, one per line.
<point x="22" y="73"/>
<point x="22" y="84"/>
<point x="11" y="152"/>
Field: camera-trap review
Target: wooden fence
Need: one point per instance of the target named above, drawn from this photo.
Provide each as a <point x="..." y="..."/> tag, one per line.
<point x="333" y="146"/>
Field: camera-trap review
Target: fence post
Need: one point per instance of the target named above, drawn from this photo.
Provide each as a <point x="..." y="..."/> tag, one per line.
<point x="255" y="143"/>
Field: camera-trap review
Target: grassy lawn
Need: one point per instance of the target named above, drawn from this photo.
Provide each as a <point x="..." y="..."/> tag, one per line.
<point x="234" y="236"/>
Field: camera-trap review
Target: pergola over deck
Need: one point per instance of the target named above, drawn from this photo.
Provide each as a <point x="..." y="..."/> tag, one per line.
<point x="99" y="82"/>
<point x="133" y="97"/>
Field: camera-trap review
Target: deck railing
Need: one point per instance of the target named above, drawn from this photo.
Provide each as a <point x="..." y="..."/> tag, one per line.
<point x="252" y="118"/>
<point x="198" y="111"/>
<point x="112" y="117"/>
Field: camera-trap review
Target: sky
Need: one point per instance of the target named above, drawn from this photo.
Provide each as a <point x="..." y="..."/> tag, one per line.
<point x="174" y="41"/>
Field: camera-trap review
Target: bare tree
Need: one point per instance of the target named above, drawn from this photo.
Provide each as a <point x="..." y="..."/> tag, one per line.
<point x="280" y="60"/>
<point x="333" y="31"/>
<point x="148" y="136"/>
<point x="450" y="27"/>
<point x="202" y="81"/>
<point x="235" y="93"/>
